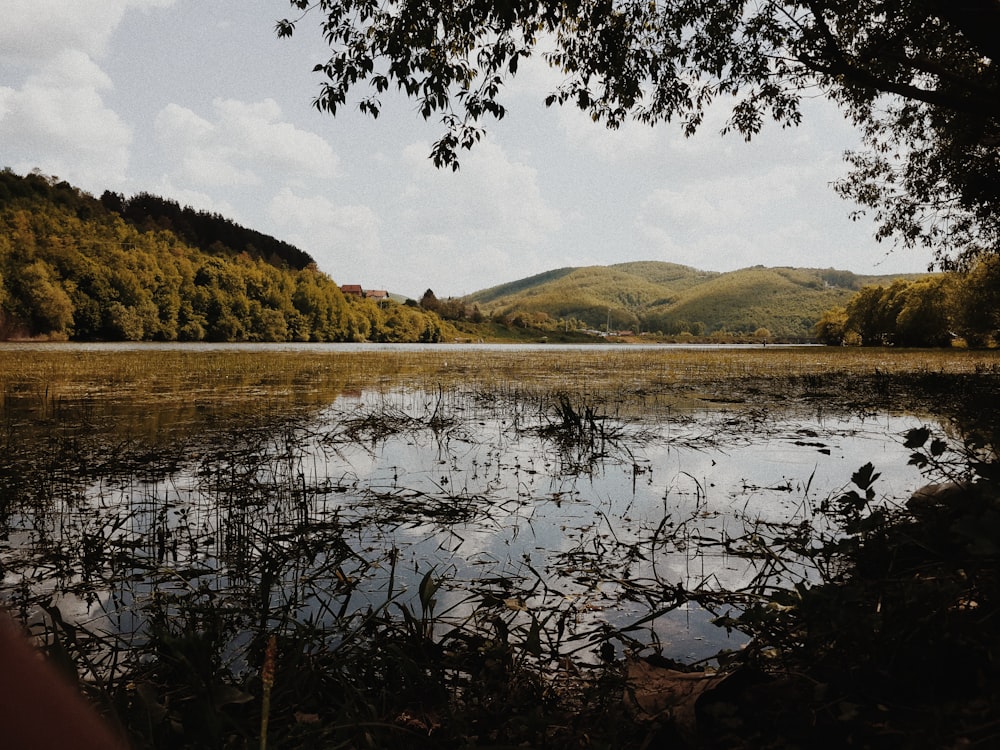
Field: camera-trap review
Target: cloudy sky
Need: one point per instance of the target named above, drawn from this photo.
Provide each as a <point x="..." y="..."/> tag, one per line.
<point x="200" y="102"/>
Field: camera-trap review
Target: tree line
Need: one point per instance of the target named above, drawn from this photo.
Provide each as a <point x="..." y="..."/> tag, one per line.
<point x="71" y="267"/>
<point x="211" y="232"/>
<point x="936" y="310"/>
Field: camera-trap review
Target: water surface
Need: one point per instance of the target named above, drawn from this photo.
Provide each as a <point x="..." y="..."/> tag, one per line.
<point x="335" y="506"/>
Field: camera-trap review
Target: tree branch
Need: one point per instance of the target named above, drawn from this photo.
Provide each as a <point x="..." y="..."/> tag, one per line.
<point x="977" y="20"/>
<point x="983" y="106"/>
<point x="838" y="62"/>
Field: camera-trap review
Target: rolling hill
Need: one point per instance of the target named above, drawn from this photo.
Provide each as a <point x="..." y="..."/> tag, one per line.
<point x="73" y="267"/>
<point x="654" y="296"/>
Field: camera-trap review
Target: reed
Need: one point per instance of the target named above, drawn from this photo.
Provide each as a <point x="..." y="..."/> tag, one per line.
<point x="140" y="373"/>
<point x="198" y="505"/>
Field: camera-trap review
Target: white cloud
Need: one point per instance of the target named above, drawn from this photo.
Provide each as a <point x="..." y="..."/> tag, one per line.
<point x="730" y="204"/>
<point x="628" y="142"/>
<point x="342" y="239"/>
<point x="34" y="30"/>
<point x="777" y="214"/>
<point x="535" y="78"/>
<point x="465" y="230"/>
<point x="199" y="149"/>
<point x="241" y="143"/>
<point x="724" y="223"/>
<point x="490" y="195"/>
<point x="58" y="122"/>
<point x="730" y="200"/>
<point x="177" y="126"/>
<point x="259" y="130"/>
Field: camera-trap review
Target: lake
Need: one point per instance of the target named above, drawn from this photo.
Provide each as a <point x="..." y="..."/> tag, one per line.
<point x="580" y="489"/>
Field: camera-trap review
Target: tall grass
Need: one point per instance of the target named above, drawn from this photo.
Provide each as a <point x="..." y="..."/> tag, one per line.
<point x="220" y="374"/>
<point x="177" y="502"/>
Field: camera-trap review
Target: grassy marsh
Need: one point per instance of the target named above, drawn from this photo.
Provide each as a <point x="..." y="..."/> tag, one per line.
<point x="234" y="372"/>
<point x="171" y="510"/>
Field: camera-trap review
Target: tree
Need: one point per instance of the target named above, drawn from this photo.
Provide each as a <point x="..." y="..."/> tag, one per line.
<point x="920" y="77"/>
<point x="907" y="313"/>
<point x="924" y="318"/>
<point x="977" y="303"/>
<point x="43" y="300"/>
<point x="429" y="301"/>
<point x="866" y="316"/>
<point x="831" y="328"/>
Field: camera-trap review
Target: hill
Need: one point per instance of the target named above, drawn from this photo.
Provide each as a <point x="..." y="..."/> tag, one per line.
<point x="210" y="232"/>
<point x="145" y="269"/>
<point x="654" y="296"/>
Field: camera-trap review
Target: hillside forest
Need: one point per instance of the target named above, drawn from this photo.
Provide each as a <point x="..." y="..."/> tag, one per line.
<point x="145" y="269"/>
<point x="74" y="267"/>
<point x="678" y="303"/>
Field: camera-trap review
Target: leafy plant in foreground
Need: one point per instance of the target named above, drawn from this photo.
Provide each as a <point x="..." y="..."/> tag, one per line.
<point x="894" y="631"/>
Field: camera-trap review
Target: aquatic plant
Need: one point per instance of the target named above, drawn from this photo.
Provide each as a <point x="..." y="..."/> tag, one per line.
<point x="157" y="550"/>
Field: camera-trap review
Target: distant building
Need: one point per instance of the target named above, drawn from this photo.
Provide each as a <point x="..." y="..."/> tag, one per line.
<point x="379" y="295"/>
<point x="353" y="290"/>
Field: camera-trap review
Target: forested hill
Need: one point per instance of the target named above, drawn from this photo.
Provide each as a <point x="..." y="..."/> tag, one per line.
<point x="673" y="299"/>
<point x="74" y="267"/>
<point x="207" y="231"/>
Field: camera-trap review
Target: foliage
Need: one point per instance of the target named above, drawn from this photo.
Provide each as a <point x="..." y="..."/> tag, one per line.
<point x="206" y="231"/>
<point x="888" y="618"/>
<point x="976" y="302"/>
<point x="914" y="72"/>
<point x="929" y="311"/>
<point x="831" y="327"/>
<point x="71" y="269"/>
<point x="451" y="309"/>
<point x="674" y="299"/>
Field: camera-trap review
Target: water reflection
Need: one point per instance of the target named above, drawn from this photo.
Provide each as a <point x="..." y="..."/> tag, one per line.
<point x="562" y="509"/>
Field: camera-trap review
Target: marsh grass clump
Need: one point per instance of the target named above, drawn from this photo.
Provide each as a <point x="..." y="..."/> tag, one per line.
<point x="374" y="423"/>
<point x="580" y="423"/>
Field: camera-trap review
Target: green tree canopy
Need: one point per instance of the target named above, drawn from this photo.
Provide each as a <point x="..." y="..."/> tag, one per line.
<point x="71" y="268"/>
<point x="932" y="310"/>
<point x="919" y="76"/>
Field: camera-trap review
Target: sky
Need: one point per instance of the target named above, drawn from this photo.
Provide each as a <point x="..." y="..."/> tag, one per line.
<point x="200" y="102"/>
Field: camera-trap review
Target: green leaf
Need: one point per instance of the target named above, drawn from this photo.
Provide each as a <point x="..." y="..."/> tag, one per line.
<point x="429" y="586"/>
<point x="865" y="477"/>
<point x="916" y="437"/>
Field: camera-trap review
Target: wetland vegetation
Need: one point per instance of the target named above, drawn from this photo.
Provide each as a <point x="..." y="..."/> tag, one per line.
<point x="304" y="546"/>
